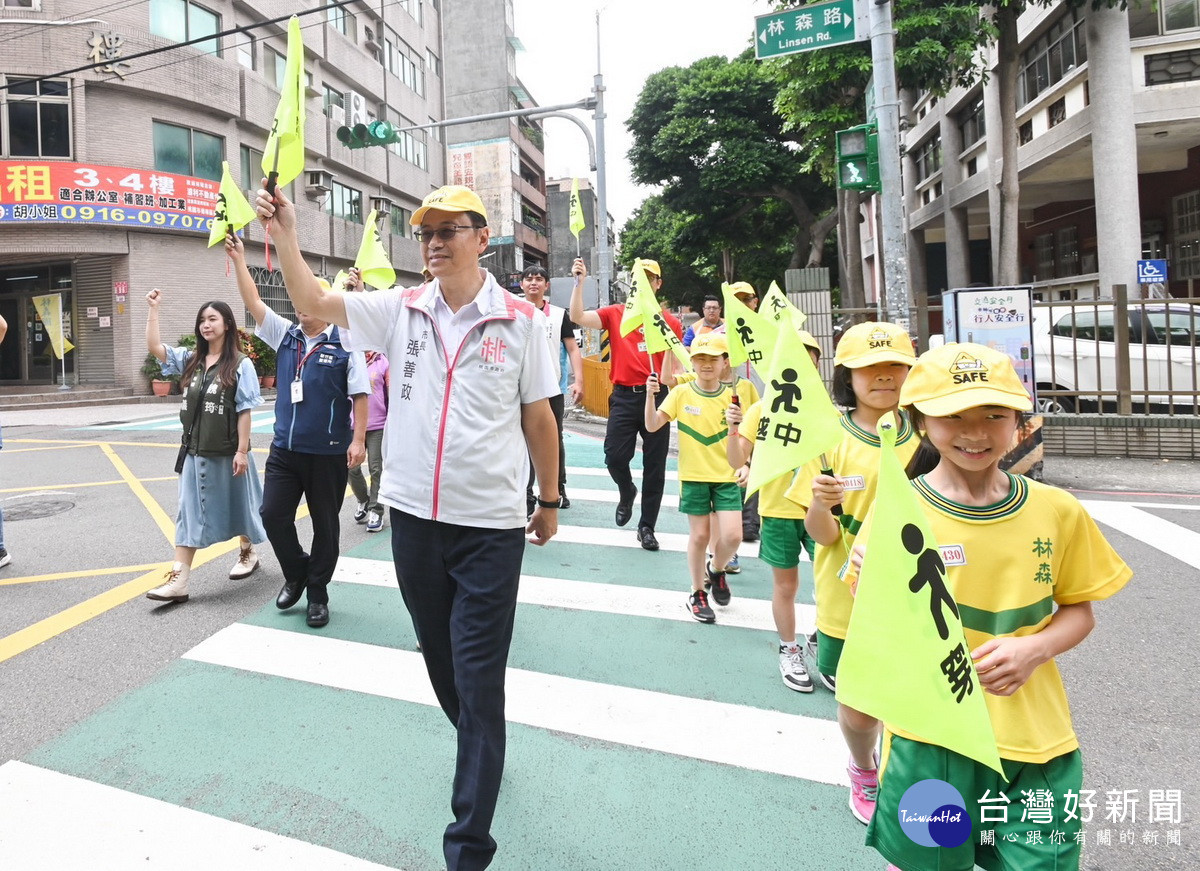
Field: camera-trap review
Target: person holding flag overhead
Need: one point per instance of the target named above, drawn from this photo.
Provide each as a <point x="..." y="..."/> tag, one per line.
<point x="871" y="363"/>
<point x="631" y="363"/>
<point x="314" y="446"/>
<point x="469" y="409"/>
<point x="982" y="578"/>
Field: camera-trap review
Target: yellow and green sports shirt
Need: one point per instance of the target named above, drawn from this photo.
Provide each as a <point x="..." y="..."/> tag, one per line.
<point x="700" y="418"/>
<point x="1007" y="566"/>
<point x="856" y="462"/>
<point x="771" y="501"/>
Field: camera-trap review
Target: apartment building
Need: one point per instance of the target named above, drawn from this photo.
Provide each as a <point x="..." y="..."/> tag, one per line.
<point x="108" y="175"/>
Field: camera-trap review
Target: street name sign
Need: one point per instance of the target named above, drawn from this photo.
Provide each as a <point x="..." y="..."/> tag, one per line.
<point x="805" y="28"/>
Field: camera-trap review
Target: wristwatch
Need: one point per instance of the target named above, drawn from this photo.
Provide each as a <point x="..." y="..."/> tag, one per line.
<point x="544" y="504"/>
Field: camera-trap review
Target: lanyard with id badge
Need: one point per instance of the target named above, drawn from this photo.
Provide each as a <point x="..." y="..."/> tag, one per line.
<point x="297" y="384"/>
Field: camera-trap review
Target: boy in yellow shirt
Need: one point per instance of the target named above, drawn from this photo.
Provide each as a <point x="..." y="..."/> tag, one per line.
<point x="707" y="485"/>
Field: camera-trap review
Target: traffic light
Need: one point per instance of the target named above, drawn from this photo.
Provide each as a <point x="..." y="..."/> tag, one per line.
<point x="858" y="158"/>
<point x="366" y="135"/>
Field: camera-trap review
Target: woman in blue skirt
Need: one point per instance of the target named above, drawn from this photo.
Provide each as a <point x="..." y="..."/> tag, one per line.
<point x="219" y="490"/>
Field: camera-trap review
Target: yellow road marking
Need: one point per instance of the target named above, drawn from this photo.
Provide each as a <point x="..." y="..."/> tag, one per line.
<point x="85" y="484"/>
<point x="165" y="523"/>
<point x="44" y="630"/>
<point x="54" y="448"/>
<point x="82" y="573"/>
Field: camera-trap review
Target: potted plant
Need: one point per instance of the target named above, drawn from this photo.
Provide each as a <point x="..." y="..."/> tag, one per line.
<point x="261" y="355"/>
<point x="160" y="385"/>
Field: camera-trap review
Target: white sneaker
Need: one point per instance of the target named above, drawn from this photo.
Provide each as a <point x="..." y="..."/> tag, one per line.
<point x="176" y="588"/>
<point x="246" y="565"/>
<point x="5" y="558"/>
<point x="360" y="513"/>
<point x="374" y="521"/>
<point x="791" y="668"/>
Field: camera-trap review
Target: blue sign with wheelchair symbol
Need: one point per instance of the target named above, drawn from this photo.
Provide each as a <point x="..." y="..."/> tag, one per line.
<point x="1152" y="271"/>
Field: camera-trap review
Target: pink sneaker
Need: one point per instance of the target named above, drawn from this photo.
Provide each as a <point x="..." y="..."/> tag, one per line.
<point x="864" y="786"/>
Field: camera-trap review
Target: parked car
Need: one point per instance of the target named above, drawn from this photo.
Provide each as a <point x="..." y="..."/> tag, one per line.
<point x="1075" y="350"/>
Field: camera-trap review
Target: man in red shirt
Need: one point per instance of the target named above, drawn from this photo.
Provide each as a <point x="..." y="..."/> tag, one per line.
<point x="626" y="412"/>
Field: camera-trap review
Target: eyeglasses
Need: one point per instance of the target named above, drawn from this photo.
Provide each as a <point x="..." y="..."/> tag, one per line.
<point x="445" y="234"/>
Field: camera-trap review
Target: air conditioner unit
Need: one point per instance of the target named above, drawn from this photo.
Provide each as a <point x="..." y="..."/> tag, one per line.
<point x="356" y="108"/>
<point x="319" y="181"/>
<point x="337" y="115"/>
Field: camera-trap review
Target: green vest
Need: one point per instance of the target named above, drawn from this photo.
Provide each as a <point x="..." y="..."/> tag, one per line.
<point x="214" y="409"/>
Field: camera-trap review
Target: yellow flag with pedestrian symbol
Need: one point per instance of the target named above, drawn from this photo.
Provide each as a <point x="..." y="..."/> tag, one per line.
<point x="49" y="312"/>
<point x="575" y="221"/>
<point x="372" y="259"/>
<point x="284" y="151"/>
<point x="751" y="336"/>
<point x="930" y="689"/>
<point x="642" y="310"/>
<point x="232" y="211"/>
<point x="798" y="421"/>
<point x="778" y="307"/>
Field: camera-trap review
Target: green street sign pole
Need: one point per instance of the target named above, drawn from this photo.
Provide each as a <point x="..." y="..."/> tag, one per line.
<point x="806" y="28"/>
<point x="896" y="292"/>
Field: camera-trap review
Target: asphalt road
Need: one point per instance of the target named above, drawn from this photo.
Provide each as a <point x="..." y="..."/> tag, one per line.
<point x="76" y="633"/>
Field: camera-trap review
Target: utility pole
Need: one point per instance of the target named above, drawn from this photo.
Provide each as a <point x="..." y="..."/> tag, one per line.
<point x="896" y="293"/>
<point x="603" y="255"/>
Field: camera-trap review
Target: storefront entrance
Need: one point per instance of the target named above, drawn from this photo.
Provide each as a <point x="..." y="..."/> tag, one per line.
<point x="26" y="356"/>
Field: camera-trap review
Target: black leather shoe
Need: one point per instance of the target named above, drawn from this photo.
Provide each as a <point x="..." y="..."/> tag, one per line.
<point x="318" y="614"/>
<point x="563" y="501"/>
<point x="646" y="537"/>
<point x="625" y="508"/>
<point x="289" y="595"/>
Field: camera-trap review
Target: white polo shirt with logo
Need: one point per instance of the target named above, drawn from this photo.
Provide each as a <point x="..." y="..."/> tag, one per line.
<point x="453" y="447"/>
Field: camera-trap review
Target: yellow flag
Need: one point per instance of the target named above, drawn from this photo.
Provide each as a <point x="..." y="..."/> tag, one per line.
<point x="931" y="690"/>
<point x="751" y="336"/>
<point x="576" y="222"/>
<point x="284" y="152"/>
<point x="49" y="311"/>
<point x="777" y="306"/>
<point x="232" y="212"/>
<point x="372" y="259"/>
<point x="642" y="310"/>
<point x="798" y="421"/>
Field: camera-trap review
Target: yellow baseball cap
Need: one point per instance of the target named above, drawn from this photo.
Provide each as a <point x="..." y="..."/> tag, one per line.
<point x="959" y="376"/>
<point x="651" y="266"/>
<point x="871" y="343"/>
<point x="742" y="288"/>
<point x="712" y="344"/>
<point x="809" y="342"/>
<point x="450" y="198"/>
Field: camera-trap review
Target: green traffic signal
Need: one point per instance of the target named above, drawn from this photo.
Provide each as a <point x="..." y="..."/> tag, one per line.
<point x="858" y="158"/>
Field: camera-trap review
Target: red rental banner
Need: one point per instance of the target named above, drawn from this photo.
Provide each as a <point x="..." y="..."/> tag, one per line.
<point x="58" y="192"/>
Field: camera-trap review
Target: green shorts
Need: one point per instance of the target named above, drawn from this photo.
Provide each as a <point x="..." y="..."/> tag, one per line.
<point x="829" y="653"/>
<point x="1044" y="841"/>
<point x="705" y="497"/>
<point x="781" y="540"/>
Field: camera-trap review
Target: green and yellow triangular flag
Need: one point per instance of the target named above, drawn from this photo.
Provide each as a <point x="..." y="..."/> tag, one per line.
<point x="232" y="211"/>
<point x="798" y="421"/>
<point x="642" y="310"/>
<point x="284" y="152"/>
<point x="751" y="336"/>
<point x="372" y="259"/>
<point x="778" y="307"/>
<point x="931" y="690"/>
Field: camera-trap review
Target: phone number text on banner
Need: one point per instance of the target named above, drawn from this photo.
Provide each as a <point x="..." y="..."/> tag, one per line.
<point x="73" y="193"/>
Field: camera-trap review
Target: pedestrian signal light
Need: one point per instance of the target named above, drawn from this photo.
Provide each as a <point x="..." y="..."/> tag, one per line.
<point x="858" y="158"/>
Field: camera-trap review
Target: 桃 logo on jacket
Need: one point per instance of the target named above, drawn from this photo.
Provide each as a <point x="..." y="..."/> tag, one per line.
<point x="879" y="339"/>
<point x="967" y="369"/>
<point x="493" y="350"/>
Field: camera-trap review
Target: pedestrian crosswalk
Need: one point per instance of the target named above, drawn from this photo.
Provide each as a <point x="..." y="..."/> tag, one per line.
<point x="638" y="738"/>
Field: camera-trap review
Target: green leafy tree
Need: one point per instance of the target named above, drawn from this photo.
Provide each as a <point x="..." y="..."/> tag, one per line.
<point x="709" y="135"/>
